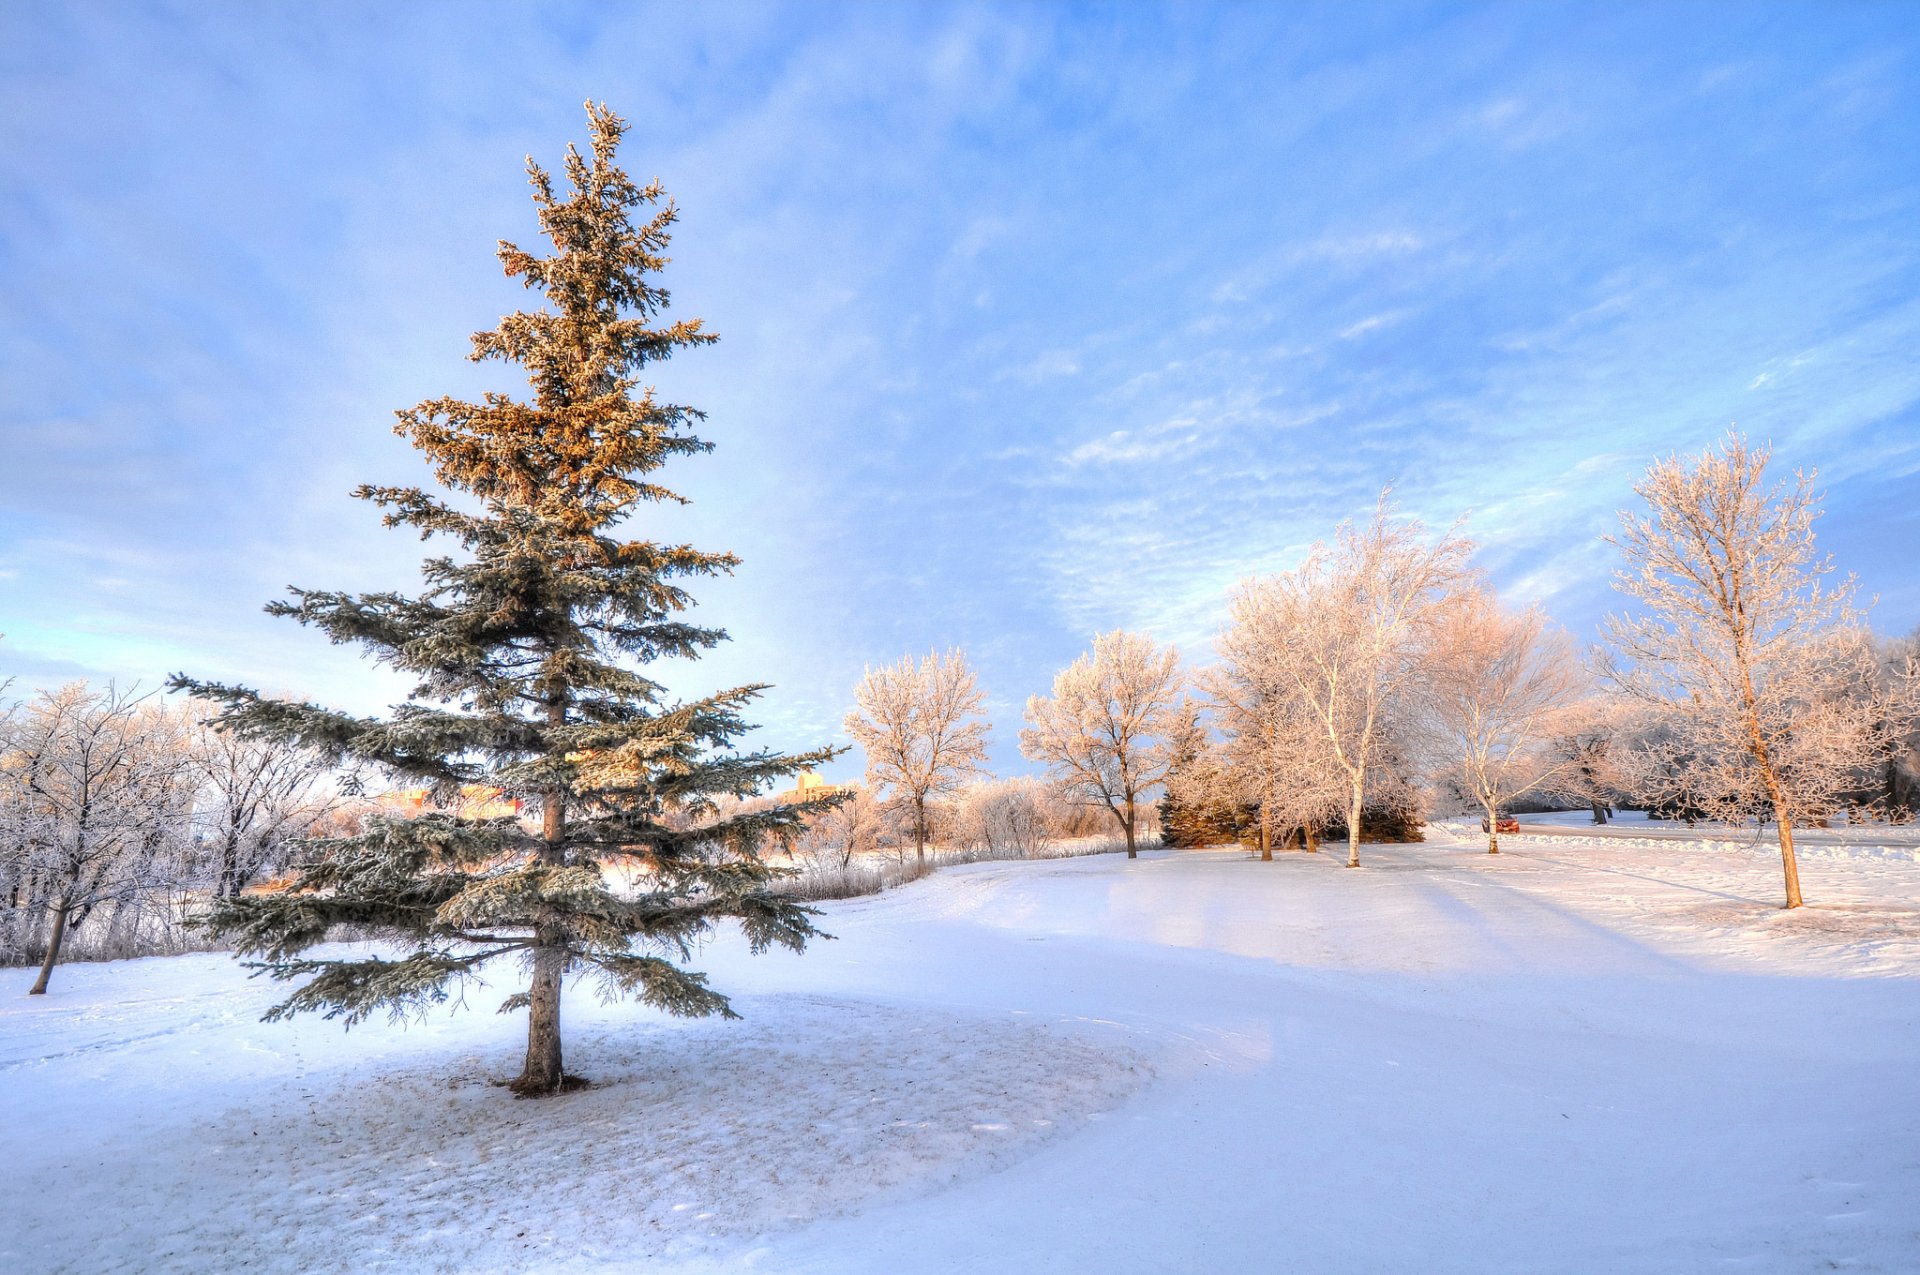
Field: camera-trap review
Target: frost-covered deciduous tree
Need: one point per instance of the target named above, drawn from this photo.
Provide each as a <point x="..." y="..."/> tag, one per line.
<point x="1350" y="631"/>
<point x="1004" y="818"/>
<point x="97" y="798"/>
<point x="529" y="647"/>
<point x="1275" y="757"/>
<point x="1102" y="734"/>
<point x="1755" y="663"/>
<point x="921" y="727"/>
<point x="254" y="798"/>
<point x="1589" y="746"/>
<point x="835" y="838"/>
<point x="1496" y="683"/>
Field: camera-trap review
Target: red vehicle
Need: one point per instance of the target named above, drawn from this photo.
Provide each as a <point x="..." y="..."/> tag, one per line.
<point x="1507" y="824"/>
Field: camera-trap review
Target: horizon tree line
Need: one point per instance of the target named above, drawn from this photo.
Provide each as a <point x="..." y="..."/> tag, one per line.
<point x="112" y="803"/>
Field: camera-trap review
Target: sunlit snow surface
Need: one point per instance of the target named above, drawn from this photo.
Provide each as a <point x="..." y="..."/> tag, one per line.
<point x="1584" y="1054"/>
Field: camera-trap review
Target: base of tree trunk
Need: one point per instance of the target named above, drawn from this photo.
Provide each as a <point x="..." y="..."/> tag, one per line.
<point x="54" y="940"/>
<point x="524" y="1088"/>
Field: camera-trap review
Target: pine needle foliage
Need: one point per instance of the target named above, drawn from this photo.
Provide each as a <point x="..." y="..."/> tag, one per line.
<point x="529" y="646"/>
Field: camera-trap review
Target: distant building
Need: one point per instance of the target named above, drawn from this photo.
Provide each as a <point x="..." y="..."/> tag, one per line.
<point x="810" y="787"/>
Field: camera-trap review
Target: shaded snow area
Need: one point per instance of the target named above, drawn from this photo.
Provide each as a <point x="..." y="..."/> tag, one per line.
<point x="1600" y="1053"/>
<point x="1718" y="892"/>
<point x="694" y="1132"/>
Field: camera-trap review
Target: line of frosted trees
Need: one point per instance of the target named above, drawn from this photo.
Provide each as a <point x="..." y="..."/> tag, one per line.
<point x="1383" y="676"/>
<point x="921" y="724"/>
<point x="118" y="812"/>
<point x="1380" y="679"/>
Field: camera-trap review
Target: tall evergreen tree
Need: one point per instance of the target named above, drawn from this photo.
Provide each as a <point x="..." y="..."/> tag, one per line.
<point x="527" y="646"/>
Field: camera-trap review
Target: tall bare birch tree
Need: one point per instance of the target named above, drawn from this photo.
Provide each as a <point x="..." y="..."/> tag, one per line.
<point x="920" y="724"/>
<point x="1351" y="629"/>
<point x="1497" y="683"/>
<point x="1753" y="660"/>
<point x="1103" y="734"/>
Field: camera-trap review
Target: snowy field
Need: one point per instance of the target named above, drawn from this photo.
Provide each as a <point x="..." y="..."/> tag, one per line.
<point x="1585" y="1054"/>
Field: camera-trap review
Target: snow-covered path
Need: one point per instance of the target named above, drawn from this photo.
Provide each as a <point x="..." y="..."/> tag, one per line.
<point x="1584" y="1056"/>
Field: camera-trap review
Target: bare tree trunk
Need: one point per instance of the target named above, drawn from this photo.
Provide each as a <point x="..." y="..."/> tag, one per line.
<point x="920" y="830"/>
<point x="1493" y="827"/>
<point x="54" y="940"/>
<point x="1353" y="826"/>
<point x="229" y="865"/>
<point x="1127" y="823"/>
<point x="1787" y="860"/>
<point x="1757" y="744"/>
<point x="1310" y="835"/>
<point x="1599" y="812"/>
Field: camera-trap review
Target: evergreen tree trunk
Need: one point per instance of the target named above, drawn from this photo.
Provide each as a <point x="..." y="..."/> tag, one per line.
<point x="54" y="941"/>
<point x="542" y="1072"/>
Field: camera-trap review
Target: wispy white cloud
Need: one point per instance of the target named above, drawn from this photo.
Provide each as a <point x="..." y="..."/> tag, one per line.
<point x="1340" y="251"/>
<point x="1519" y="124"/>
<point x="1372" y="323"/>
<point x="1150" y="443"/>
<point x="1048" y="366"/>
<point x="1347" y="249"/>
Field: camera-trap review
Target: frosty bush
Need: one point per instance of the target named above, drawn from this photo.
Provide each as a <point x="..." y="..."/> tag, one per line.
<point x="1001" y="819"/>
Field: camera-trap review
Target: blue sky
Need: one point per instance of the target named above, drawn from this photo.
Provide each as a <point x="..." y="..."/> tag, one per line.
<point x="1036" y="320"/>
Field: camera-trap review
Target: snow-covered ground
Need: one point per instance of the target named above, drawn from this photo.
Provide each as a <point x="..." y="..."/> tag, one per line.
<point x="1583" y="1054"/>
<point x="1636" y="825"/>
